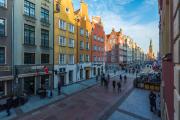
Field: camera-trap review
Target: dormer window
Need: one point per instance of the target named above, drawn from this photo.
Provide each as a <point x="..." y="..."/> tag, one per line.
<point x="67" y="10"/>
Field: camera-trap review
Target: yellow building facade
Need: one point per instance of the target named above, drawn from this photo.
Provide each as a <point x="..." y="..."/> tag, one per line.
<point x="65" y="39"/>
<point x="84" y="42"/>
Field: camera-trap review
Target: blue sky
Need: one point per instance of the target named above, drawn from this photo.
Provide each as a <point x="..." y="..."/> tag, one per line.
<point x="138" y="18"/>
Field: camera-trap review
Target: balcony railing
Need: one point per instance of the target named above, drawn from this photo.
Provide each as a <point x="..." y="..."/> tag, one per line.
<point x="24" y="69"/>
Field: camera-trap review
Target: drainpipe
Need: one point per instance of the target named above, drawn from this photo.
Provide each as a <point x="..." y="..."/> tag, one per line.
<point x="52" y="82"/>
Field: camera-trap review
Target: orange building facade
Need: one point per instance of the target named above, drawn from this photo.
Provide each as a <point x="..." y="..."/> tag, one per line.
<point x="98" y="43"/>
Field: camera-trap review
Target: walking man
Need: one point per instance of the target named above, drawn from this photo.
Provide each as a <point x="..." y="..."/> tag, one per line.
<point x="9" y="103"/>
<point x="119" y="86"/>
<point x="97" y="78"/>
<point x="114" y="85"/>
<point x="120" y="78"/>
<point x="152" y="99"/>
<point x="125" y="79"/>
<point x="59" y="87"/>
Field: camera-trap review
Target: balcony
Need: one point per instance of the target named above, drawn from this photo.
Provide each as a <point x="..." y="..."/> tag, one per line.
<point x="26" y="69"/>
<point x="45" y="22"/>
<point x="29" y="18"/>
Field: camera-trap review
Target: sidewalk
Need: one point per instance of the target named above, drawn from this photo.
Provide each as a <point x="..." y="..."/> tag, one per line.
<point x="135" y="107"/>
<point x="35" y="102"/>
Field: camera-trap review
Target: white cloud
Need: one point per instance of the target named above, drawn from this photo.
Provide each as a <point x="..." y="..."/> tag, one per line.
<point x="139" y="32"/>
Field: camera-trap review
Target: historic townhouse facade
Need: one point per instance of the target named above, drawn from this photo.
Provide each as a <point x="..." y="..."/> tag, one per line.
<point x="169" y="26"/>
<point x="33" y="45"/>
<point x="98" y="43"/>
<point x="84" y="28"/>
<point x="65" y="42"/>
<point x="121" y="50"/>
<point x="6" y="76"/>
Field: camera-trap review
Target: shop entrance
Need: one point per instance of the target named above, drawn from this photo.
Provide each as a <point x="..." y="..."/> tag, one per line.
<point x="29" y="85"/>
<point x="71" y="76"/>
<point x="87" y="74"/>
<point x="99" y="71"/>
<point x="45" y="82"/>
<point x="62" y="79"/>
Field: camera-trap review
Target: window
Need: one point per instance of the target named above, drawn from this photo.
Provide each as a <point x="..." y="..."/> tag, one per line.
<point x="2" y="55"/>
<point x="62" y="59"/>
<point x="67" y="10"/>
<point x="81" y="45"/>
<point x="71" y="42"/>
<point x="44" y="15"/>
<point x="29" y="35"/>
<point x="95" y="37"/>
<point x="62" y="24"/>
<point x="87" y="46"/>
<point x="94" y="58"/>
<point x="71" y="59"/>
<point x="87" y="34"/>
<point x="44" y="58"/>
<point x="98" y="38"/>
<point x="29" y="8"/>
<point x="44" y="38"/>
<point x="95" y="48"/>
<point x="81" y="58"/>
<point x="2" y="27"/>
<point x="62" y="41"/>
<point x="29" y="58"/>
<point x="71" y="28"/>
<point x="81" y="31"/>
<point x="87" y="58"/>
<point x="3" y="3"/>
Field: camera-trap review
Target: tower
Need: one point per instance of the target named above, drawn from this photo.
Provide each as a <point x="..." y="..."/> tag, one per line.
<point x="150" y="51"/>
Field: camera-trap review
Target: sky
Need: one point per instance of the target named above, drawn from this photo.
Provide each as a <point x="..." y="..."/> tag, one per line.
<point x="138" y="19"/>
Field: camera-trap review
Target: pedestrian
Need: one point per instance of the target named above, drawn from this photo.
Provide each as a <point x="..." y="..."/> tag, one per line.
<point x="119" y="86"/>
<point x="120" y="77"/>
<point x="102" y="80"/>
<point x="59" y="87"/>
<point x="106" y="83"/>
<point x="114" y="85"/>
<point x="152" y="100"/>
<point x="108" y="77"/>
<point x="97" y="78"/>
<point x="125" y="79"/>
<point x="9" y="104"/>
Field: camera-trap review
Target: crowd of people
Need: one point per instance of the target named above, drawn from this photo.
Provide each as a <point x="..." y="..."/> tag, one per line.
<point x="116" y="84"/>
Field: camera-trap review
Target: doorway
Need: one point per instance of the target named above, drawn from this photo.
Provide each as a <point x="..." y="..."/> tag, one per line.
<point x="29" y="85"/>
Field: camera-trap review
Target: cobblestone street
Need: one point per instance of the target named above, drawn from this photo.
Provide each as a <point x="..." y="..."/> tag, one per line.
<point x="89" y="104"/>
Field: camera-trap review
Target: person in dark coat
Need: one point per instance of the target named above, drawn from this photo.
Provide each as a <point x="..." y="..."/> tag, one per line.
<point x="102" y="80"/>
<point x="152" y="100"/>
<point x="97" y="78"/>
<point x="120" y="77"/>
<point x="119" y="86"/>
<point x="125" y="79"/>
<point x="59" y="87"/>
<point x="114" y="85"/>
<point x="9" y="104"/>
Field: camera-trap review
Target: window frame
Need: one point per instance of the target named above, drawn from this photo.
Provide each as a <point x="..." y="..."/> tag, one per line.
<point x="62" y="59"/>
<point x="44" y="61"/>
<point x="44" y="36"/>
<point x="62" y="42"/>
<point x="33" y="61"/>
<point x="30" y="7"/>
<point x="30" y="29"/>
<point x="4" y="27"/>
<point x="4" y="55"/>
<point x="44" y="15"/>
